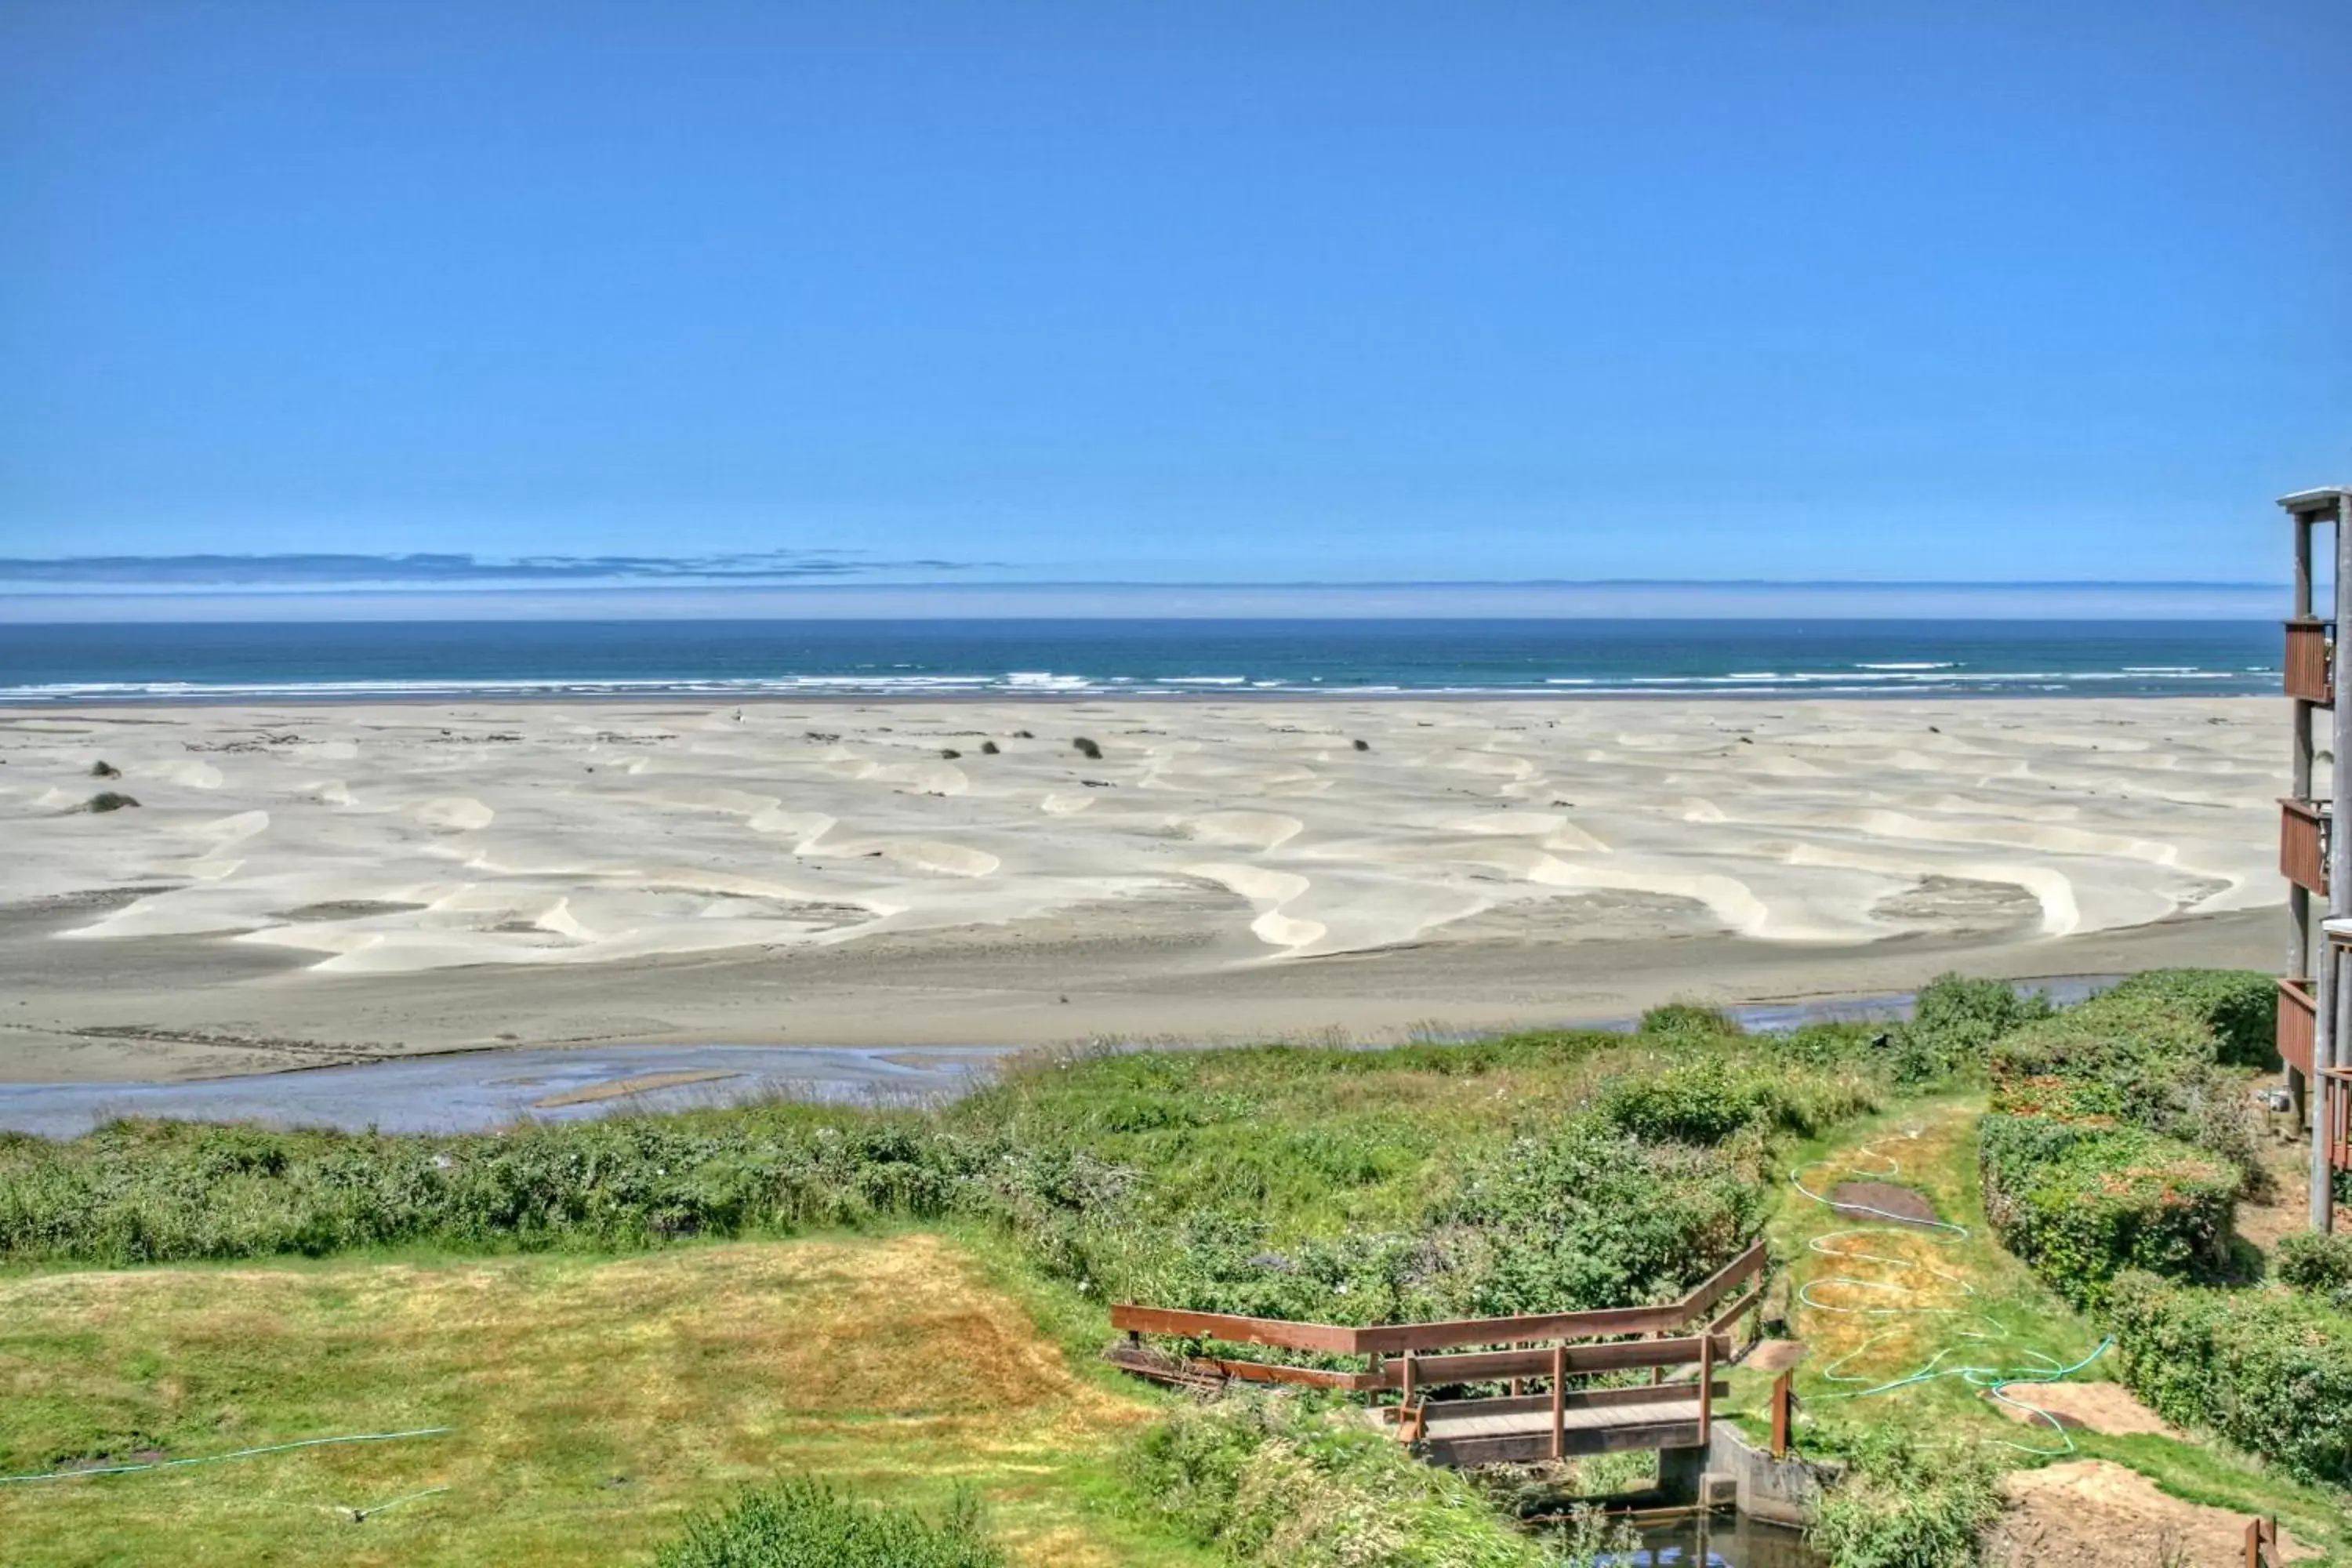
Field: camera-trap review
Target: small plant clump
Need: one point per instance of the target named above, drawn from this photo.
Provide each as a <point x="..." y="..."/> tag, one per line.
<point x="109" y="800"/>
<point x="1363" y="746"/>
<point x="948" y="753"/>
<point x="102" y="769"/>
<point x="988" y="748"/>
<point x="801" y="1523"/>
<point x="1270" y="1484"/>
<point x="2317" y="1265"/>
<point x="1690" y="1020"/>
<point x="1023" y="735"/>
<point x="1088" y="749"/>
<point x="1907" y="1504"/>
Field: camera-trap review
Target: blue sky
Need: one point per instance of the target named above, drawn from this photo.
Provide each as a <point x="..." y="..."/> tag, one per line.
<point x="1049" y="293"/>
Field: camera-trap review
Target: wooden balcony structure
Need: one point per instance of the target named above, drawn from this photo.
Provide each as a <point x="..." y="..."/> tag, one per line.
<point x="2298" y="1020"/>
<point x="2304" y="831"/>
<point x="1415" y="1361"/>
<point x="2339" y="1106"/>
<point x="2310" y="664"/>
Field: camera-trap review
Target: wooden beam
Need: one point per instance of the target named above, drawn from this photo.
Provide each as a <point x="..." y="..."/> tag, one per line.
<point x="1780" y="1398"/>
<point x="1559" y="1399"/>
<point x="1332" y="1339"/>
<point x="1483" y="1366"/>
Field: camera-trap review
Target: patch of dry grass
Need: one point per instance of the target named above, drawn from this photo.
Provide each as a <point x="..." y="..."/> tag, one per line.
<point x="595" y="1403"/>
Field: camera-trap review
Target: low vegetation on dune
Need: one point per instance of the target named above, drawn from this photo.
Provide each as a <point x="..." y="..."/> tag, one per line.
<point x="1546" y="1171"/>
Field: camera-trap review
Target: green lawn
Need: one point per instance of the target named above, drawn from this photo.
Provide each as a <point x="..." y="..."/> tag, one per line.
<point x="593" y="1401"/>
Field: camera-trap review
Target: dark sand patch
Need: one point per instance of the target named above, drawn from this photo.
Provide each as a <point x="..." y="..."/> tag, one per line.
<point x="1955" y="905"/>
<point x="1883" y="1200"/>
<point x="346" y="909"/>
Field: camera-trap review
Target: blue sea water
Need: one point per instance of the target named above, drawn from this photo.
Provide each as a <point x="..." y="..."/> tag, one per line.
<point x="746" y="659"/>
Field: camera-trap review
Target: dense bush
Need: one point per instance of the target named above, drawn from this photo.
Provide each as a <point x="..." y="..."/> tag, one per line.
<point x="1708" y="1099"/>
<point x="2318" y="1264"/>
<point x="800" y="1524"/>
<point x="1269" y="1482"/>
<point x="2269" y="1371"/>
<point x="1906" y="1504"/>
<point x="2149" y="1054"/>
<point x="1954" y="1022"/>
<point x="1588" y="1217"/>
<point x="2239" y="1007"/>
<point x="2082" y="1204"/>
<point x="156" y="1192"/>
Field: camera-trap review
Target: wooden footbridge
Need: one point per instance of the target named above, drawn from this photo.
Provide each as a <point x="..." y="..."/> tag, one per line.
<point x="1569" y="1379"/>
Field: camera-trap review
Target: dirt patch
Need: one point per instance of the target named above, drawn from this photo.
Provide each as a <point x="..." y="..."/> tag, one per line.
<point x="1775" y="1355"/>
<point x="1883" y="1200"/>
<point x="2094" y="1513"/>
<point x="2106" y="1407"/>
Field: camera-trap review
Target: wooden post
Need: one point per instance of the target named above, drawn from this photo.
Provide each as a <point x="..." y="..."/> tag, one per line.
<point x="2260" y="1535"/>
<point x="1705" y="1380"/>
<point x="1780" y="1416"/>
<point x="1404" y="1414"/>
<point x="1558" y="1400"/>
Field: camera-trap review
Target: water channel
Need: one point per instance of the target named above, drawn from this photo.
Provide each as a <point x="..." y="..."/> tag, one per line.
<point x="478" y="1090"/>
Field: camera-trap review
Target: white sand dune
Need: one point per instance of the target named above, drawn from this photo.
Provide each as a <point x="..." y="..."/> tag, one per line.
<point x="528" y="835"/>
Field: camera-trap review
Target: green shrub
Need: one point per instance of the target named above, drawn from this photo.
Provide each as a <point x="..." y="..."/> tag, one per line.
<point x="1586" y="1217"/>
<point x="800" y="1524"/>
<point x="2318" y="1264"/>
<point x="108" y="800"/>
<point x="1269" y="1482"/>
<point x="2269" y="1371"/>
<point x="2147" y="1055"/>
<point x="1954" y="1022"/>
<point x="1904" y="1503"/>
<point x="2082" y="1204"/>
<point x="1707" y="1100"/>
<point x="1689" y="1020"/>
<point x="1088" y="749"/>
<point x="2238" y="1007"/>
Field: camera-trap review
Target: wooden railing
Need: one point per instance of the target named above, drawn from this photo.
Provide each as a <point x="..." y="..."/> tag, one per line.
<point x="1414" y="1358"/>
<point x="2303" y="843"/>
<point x="2310" y="660"/>
<point x="2261" y="1544"/>
<point x="2337" y="1106"/>
<point x="2298" y="1021"/>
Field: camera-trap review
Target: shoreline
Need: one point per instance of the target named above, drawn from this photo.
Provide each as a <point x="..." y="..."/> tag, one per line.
<point x="18" y="710"/>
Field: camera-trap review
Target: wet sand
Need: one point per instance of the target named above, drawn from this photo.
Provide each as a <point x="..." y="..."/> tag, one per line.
<point x="303" y="885"/>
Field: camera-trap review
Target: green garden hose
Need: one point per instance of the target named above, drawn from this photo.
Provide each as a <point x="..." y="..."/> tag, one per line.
<point x="239" y="1454"/>
<point x="1952" y="1302"/>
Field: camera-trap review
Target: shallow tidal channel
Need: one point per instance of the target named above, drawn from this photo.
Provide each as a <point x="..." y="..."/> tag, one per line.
<point x="476" y="1091"/>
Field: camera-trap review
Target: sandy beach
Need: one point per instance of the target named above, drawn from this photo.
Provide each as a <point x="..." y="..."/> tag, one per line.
<point x="303" y="885"/>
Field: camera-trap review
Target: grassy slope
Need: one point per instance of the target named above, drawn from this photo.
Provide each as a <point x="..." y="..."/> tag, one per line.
<point x="1935" y="1144"/>
<point x="596" y="1401"/>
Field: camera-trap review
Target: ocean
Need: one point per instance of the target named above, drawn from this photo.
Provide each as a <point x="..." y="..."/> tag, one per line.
<point x="747" y="658"/>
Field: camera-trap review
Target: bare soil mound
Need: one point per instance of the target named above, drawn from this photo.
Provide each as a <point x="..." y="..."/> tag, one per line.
<point x="2094" y="1513"/>
<point x="2084" y="1407"/>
